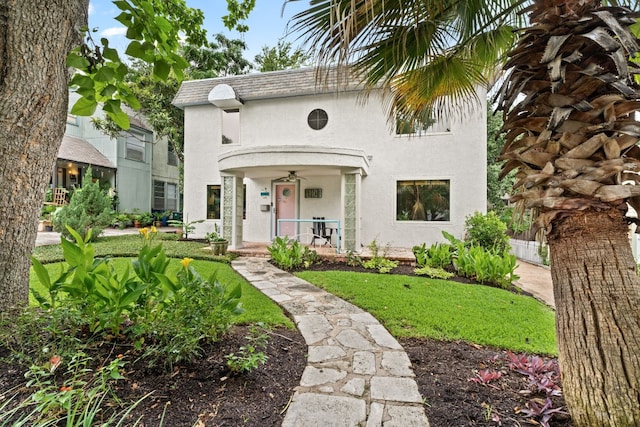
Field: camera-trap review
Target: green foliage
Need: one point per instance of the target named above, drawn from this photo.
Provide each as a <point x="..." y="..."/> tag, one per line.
<point x="379" y="261"/>
<point x="199" y="311"/>
<point x="496" y="187"/>
<point x="89" y="208"/>
<point x="214" y="236"/>
<point x="155" y="29"/>
<point x="487" y="231"/>
<point x="186" y="225"/>
<point x="438" y="255"/>
<point x="173" y="314"/>
<point x="280" y="57"/>
<point x="486" y="267"/>
<point x="76" y="396"/>
<point x="248" y="357"/>
<point x="433" y="272"/>
<point x="288" y="254"/>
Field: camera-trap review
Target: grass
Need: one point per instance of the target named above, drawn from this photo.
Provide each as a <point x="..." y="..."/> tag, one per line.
<point x="129" y="245"/>
<point x="446" y="310"/>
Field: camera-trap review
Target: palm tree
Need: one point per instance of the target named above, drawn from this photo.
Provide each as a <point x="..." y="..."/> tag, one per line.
<point x="569" y="102"/>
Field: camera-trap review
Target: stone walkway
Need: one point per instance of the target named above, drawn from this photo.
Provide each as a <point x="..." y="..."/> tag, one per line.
<point x="357" y="374"/>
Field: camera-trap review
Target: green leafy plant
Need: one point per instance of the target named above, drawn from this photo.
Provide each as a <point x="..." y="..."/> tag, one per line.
<point x="485" y="266"/>
<point x="353" y="259"/>
<point x="433" y="272"/>
<point x="487" y="231"/>
<point x="379" y="261"/>
<point x="89" y="208"/>
<point x="288" y="254"/>
<point x="200" y="311"/>
<point x="186" y="225"/>
<point x="248" y="357"/>
<point x="438" y="255"/>
<point x="214" y="236"/>
<point x="74" y="396"/>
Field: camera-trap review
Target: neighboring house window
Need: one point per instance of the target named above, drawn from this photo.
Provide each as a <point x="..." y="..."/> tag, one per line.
<point x="213" y="202"/>
<point x="412" y="126"/>
<point x="165" y="196"/>
<point x="72" y="119"/>
<point x="172" y="158"/>
<point x="135" y="147"/>
<point x="317" y="119"/>
<point x="423" y="200"/>
<point x="231" y="126"/>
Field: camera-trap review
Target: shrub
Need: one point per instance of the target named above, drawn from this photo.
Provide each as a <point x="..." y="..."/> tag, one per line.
<point x="171" y="315"/>
<point x="288" y="254"/>
<point x="485" y="266"/>
<point x="377" y="261"/>
<point x="89" y="208"/>
<point x="487" y="231"/>
<point x="438" y="255"/>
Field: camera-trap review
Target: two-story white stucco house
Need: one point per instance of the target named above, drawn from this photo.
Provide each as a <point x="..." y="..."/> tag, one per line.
<point x="266" y="153"/>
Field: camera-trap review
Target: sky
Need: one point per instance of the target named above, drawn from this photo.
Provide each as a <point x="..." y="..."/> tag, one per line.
<point x="267" y="24"/>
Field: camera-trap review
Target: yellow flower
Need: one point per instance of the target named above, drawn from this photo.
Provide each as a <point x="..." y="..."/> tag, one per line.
<point x="185" y="262"/>
<point x="145" y="232"/>
<point x="154" y="230"/>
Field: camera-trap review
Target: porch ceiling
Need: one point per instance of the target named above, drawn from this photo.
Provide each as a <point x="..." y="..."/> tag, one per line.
<point x="268" y="161"/>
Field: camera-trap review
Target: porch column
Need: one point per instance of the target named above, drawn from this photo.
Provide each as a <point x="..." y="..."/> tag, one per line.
<point x="232" y="202"/>
<point x="351" y="211"/>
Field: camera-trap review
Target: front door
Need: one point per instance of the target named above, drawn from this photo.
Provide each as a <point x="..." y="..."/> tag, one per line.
<point x="286" y="209"/>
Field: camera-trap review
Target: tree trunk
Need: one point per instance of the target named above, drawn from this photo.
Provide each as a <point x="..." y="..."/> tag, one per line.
<point x="597" y="296"/>
<point x="35" y="38"/>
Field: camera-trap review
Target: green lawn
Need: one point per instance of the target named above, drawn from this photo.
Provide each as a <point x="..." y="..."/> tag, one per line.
<point x="445" y="310"/>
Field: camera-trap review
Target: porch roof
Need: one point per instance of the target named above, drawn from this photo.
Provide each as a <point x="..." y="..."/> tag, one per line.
<point x="293" y="157"/>
<point x="78" y="150"/>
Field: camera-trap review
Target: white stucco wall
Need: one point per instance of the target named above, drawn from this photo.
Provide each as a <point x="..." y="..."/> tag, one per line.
<point x="459" y="156"/>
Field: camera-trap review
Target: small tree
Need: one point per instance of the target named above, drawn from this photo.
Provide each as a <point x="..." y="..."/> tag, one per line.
<point x="90" y="207"/>
<point x="487" y="231"/>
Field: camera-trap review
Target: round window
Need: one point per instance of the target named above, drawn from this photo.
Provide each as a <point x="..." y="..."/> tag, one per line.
<point x="286" y="192"/>
<point x="317" y="119"/>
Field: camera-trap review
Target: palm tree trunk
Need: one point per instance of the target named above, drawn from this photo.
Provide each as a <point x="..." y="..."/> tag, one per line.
<point x="597" y="296"/>
<point x="35" y="38"/>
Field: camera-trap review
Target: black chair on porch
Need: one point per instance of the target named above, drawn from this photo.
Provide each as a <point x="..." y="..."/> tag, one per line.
<point x="321" y="231"/>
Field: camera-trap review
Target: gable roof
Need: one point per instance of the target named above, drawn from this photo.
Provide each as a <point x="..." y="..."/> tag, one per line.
<point x="79" y="150"/>
<point x="275" y="84"/>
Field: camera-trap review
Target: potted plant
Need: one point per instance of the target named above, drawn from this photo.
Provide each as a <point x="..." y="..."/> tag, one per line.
<point x="158" y="218"/>
<point x="146" y="219"/>
<point x="218" y="243"/>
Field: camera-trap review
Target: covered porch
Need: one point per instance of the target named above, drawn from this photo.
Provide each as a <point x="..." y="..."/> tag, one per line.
<point x="310" y="194"/>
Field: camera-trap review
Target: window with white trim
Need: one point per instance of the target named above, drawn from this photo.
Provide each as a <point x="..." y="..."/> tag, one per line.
<point x="165" y="196"/>
<point x="423" y="200"/>
<point x="135" y="146"/>
<point x="231" y="126"/>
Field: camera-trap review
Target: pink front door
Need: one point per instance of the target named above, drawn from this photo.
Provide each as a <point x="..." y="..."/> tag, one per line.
<point x="286" y="208"/>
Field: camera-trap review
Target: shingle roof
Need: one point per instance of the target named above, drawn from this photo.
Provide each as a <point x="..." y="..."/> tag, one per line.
<point x="78" y="150"/>
<point x="276" y="84"/>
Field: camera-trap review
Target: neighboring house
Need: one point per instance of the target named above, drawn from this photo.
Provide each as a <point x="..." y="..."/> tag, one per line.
<point x="142" y="170"/>
<point x="266" y="153"/>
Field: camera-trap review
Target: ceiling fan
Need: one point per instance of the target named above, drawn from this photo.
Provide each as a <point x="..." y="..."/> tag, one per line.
<point x="292" y="177"/>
